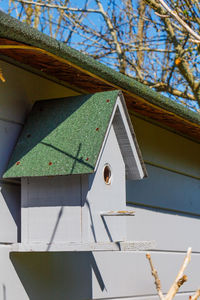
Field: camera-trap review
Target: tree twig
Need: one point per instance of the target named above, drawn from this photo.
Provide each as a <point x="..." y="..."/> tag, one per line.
<point x="195" y="296"/>
<point x="180" y="278"/>
<point x="155" y="275"/>
<point x="180" y="20"/>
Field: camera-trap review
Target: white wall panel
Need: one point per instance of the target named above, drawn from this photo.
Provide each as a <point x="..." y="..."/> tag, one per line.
<point x="170" y="230"/>
<point x="104" y="197"/>
<point x="8" y="136"/>
<point x="11" y="287"/>
<point x="166" y="189"/>
<point x="128" y="274"/>
<point x="51" y="209"/>
<point x="22" y="89"/>
<point x="86" y="276"/>
<point x="9" y="213"/>
<point x="166" y="148"/>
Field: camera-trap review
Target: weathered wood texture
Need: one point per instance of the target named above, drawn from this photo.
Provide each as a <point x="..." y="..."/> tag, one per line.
<point x="83" y="247"/>
<point x="166" y="189"/>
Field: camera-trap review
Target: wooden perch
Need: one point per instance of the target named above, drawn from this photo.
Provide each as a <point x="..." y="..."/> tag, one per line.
<point x="179" y="281"/>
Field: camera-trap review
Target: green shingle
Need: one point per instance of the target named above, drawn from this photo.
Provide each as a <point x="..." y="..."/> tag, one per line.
<point x="62" y="136"/>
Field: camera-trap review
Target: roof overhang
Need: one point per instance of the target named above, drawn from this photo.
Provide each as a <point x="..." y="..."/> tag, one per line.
<point x="32" y="50"/>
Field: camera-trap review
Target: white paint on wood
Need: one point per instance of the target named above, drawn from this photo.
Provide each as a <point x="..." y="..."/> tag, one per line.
<point x="127" y="141"/>
<point x="170" y="230"/>
<point x="22" y="88"/>
<point x="166" y="148"/>
<point x="97" y="275"/>
<point x="11" y="286"/>
<point x="8" y="136"/>
<point x="51" y="209"/>
<point x="181" y="296"/>
<point x="78" y="247"/>
<point x="9" y="213"/>
<point x="104" y="197"/>
<point x="128" y="274"/>
<point x="166" y="189"/>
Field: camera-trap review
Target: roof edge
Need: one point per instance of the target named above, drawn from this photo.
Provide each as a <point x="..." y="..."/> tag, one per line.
<point x="13" y="29"/>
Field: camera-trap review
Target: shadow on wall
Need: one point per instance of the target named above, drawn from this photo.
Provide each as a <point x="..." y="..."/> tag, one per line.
<point x="53" y="276"/>
<point x="10" y="210"/>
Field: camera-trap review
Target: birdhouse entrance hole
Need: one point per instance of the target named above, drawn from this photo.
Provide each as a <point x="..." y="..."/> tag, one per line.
<point x="107" y="174"/>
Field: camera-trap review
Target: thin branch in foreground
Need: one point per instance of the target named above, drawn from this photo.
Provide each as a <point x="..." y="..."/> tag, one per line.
<point x="195" y="296"/>
<point x="155" y="275"/>
<point x="179" y="281"/>
<point x="179" y="278"/>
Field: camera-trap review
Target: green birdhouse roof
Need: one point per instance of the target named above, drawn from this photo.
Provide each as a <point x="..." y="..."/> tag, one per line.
<point x="63" y="136"/>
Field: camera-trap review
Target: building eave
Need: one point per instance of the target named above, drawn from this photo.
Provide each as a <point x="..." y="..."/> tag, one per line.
<point x="68" y="65"/>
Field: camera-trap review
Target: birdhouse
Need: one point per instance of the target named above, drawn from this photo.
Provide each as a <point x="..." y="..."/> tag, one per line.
<point x="73" y="157"/>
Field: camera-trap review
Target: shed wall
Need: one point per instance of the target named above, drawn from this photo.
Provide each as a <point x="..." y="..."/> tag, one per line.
<point x="18" y="94"/>
<point x="167" y="210"/>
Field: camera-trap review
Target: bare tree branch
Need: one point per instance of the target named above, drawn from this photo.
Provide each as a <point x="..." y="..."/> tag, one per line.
<point x="175" y="15"/>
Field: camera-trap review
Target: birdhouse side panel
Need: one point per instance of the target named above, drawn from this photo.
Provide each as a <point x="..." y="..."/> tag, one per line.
<point x="107" y="194"/>
<point x="51" y="209"/>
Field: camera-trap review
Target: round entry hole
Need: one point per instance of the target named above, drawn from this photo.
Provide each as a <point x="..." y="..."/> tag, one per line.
<point x="107" y="175"/>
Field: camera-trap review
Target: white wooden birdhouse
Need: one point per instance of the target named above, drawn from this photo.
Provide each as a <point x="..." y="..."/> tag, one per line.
<point x="73" y="157"/>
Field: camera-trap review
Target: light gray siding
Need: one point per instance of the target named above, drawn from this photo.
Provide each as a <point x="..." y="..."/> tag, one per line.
<point x="88" y="276"/>
<point x="51" y="209"/>
<point x="18" y="94"/>
<point x="166" y="189"/>
<point x="84" y="276"/>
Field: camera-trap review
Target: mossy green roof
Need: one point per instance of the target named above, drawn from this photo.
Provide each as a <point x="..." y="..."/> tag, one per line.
<point x="62" y="136"/>
<point x="13" y="29"/>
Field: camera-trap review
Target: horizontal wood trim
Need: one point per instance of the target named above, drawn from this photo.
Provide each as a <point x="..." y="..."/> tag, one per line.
<point x="170" y="169"/>
<point x="149" y="297"/>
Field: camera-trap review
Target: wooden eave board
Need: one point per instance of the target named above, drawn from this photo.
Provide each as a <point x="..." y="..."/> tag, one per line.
<point x="62" y="136"/>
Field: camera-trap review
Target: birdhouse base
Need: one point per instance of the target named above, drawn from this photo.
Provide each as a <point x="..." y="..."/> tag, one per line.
<point x="78" y="247"/>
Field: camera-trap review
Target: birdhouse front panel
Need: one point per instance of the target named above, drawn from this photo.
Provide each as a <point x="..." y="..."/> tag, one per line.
<point x="51" y="209"/>
<point x="106" y="194"/>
